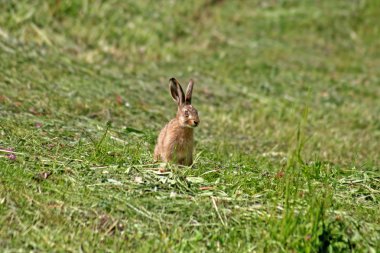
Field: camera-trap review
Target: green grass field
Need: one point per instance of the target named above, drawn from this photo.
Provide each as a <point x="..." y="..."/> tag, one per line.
<point x="287" y="152"/>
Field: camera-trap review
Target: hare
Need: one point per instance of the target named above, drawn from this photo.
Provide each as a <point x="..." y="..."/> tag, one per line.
<point x="176" y="140"/>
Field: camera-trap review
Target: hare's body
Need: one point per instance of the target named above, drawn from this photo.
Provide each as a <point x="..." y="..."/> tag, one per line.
<point x="176" y="140"/>
<point x="175" y="144"/>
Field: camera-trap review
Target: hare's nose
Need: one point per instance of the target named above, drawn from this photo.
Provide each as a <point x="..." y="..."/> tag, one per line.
<point x="196" y="122"/>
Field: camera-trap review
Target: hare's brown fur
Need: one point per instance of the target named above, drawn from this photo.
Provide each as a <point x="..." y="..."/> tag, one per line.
<point x="175" y="144"/>
<point x="176" y="140"/>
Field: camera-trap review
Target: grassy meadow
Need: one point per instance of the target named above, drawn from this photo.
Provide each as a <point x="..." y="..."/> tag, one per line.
<point x="287" y="152"/>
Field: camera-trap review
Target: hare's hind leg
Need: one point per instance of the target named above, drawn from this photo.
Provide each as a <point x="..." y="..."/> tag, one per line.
<point x="157" y="156"/>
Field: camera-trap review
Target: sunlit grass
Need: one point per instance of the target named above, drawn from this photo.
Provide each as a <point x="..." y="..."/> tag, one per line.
<point x="287" y="155"/>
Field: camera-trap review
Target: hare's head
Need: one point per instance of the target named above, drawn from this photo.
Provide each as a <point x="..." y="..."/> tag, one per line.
<point x="187" y="115"/>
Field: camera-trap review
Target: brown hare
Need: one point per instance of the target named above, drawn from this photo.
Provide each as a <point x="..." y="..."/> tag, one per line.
<point x="176" y="140"/>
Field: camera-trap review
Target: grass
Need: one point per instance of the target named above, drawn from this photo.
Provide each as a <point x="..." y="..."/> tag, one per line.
<point x="287" y="154"/>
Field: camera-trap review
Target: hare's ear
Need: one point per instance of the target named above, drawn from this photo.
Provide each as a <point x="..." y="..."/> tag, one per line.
<point x="176" y="91"/>
<point x="189" y="92"/>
